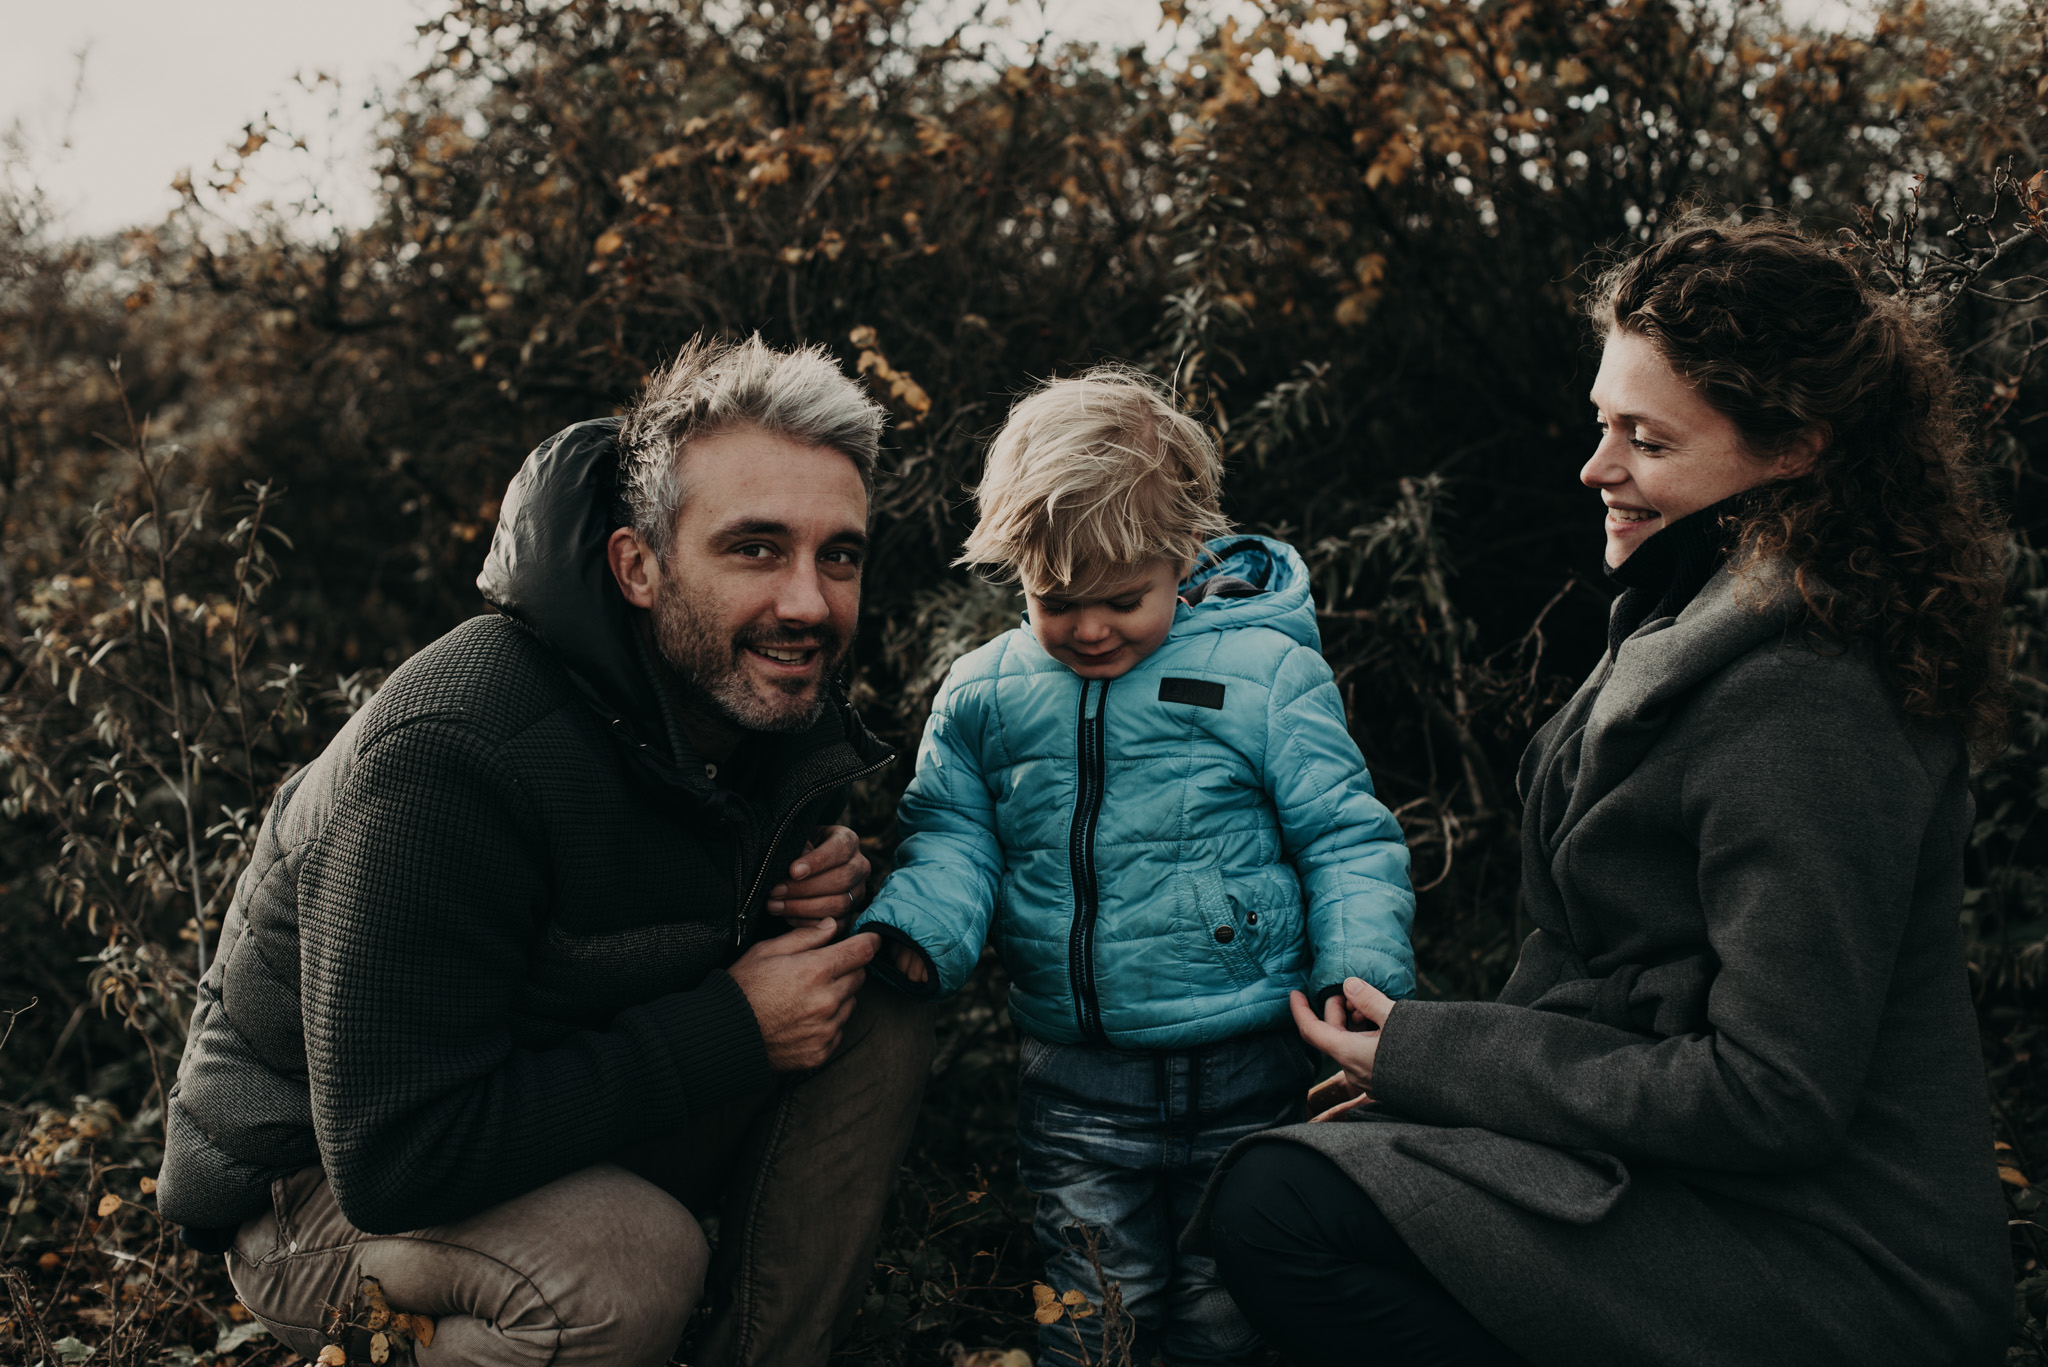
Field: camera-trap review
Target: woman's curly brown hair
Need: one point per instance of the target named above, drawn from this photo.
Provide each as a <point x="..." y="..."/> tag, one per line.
<point x="1889" y="533"/>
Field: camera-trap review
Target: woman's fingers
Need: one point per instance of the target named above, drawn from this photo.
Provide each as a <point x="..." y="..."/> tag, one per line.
<point x="1368" y="1001"/>
<point x="1353" y="1051"/>
<point x="1349" y="1103"/>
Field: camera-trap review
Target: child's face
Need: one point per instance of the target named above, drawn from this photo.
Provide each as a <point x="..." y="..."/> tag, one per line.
<point x="1118" y="623"/>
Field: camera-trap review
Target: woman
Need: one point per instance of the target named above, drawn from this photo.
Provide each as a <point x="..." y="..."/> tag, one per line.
<point x="1729" y="1107"/>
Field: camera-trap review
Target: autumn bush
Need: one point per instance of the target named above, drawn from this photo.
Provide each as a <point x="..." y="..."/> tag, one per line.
<point x="248" y="467"/>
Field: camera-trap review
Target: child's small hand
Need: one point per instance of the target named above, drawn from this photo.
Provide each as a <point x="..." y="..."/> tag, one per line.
<point x="910" y="964"/>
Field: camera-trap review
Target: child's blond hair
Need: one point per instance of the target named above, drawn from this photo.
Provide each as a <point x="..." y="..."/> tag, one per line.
<point x="1092" y="477"/>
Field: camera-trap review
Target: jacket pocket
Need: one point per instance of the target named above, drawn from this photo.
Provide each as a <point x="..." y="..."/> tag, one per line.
<point x="1207" y="907"/>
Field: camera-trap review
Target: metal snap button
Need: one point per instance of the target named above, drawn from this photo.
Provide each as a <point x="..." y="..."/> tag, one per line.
<point x="1224" y="935"/>
<point x="1251" y="918"/>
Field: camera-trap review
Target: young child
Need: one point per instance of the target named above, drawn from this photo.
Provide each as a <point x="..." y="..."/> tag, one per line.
<point x="1152" y="796"/>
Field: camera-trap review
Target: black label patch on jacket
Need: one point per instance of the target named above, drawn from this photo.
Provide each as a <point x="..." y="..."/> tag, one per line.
<point x="1198" y="692"/>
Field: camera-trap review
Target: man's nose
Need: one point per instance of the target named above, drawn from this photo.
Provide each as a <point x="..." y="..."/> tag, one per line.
<point x="801" y="597"/>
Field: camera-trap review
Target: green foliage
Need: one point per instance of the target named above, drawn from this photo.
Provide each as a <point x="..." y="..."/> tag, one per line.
<point x="1353" y="234"/>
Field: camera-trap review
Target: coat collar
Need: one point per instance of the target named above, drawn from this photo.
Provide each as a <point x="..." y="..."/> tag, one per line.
<point x="1629" y="699"/>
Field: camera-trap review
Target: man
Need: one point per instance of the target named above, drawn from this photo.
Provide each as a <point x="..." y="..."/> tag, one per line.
<point x="503" y="996"/>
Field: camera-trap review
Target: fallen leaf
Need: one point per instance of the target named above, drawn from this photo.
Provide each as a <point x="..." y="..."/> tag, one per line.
<point x="1048" y="1302"/>
<point x="380" y="1348"/>
<point x="332" y="1356"/>
<point x="608" y="241"/>
<point x="423" y="1330"/>
<point x="2012" y="1176"/>
<point x="109" y="1204"/>
<point x="148" y="1185"/>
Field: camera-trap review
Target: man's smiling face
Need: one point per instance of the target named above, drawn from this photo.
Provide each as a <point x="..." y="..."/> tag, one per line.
<point x="756" y="601"/>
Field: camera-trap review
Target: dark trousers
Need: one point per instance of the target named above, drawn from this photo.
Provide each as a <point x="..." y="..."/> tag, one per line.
<point x="1326" y="1278"/>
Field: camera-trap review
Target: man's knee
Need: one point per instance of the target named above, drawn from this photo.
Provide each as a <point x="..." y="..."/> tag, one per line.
<point x="597" y="1267"/>
<point x="892" y="1034"/>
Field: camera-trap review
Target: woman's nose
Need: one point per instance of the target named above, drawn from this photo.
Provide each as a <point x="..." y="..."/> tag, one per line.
<point x="1602" y="469"/>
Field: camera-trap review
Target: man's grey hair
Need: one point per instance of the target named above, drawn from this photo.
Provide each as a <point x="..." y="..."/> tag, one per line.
<point x="713" y="387"/>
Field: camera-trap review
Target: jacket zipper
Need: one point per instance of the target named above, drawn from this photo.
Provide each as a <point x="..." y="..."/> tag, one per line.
<point x="742" y="920"/>
<point x="1081" y="856"/>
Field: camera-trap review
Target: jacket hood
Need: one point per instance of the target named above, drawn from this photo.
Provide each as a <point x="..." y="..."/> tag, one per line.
<point x="1277" y="578"/>
<point x="547" y="570"/>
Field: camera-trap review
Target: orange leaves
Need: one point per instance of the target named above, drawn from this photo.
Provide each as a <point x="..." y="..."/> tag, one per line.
<point x="108" y="1205"/>
<point x="608" y="241"/>
<point x="769" y="172"/>
<point x="1362" y="293"/>
<point x="332" y="1356"/>
<point x="1391" y="166"/>
<point x="904" y="390"/>
<point x="1050" y="1306"/>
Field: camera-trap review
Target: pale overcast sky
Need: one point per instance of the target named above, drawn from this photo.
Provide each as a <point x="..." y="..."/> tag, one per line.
<point x="165" y="85"/>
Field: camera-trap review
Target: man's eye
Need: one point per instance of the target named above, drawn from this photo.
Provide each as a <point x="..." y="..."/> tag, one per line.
<point x="754" y="550"/>
<point x="842" y="557"/>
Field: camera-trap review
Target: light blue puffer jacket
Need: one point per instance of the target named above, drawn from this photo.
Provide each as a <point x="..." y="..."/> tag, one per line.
<point x="1166" y="854"/>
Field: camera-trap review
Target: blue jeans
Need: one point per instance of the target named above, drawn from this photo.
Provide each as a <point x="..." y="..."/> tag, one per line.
<point x="1119" y="1143"/>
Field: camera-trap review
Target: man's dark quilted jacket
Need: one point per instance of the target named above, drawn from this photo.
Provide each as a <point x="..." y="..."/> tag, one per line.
<point x="482" y="938"/>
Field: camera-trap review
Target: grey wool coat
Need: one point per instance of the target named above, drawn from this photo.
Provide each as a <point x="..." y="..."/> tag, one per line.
<point x="1730" y="1106"/>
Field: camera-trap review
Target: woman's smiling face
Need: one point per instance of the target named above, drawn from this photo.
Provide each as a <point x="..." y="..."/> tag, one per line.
<point x="1664" y="450"/>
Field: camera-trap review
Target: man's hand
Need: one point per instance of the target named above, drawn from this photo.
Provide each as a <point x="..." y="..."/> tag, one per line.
<point x="1350" y="1034"/>
<point x="827" y="880"/>
<point x="801" y="987"/>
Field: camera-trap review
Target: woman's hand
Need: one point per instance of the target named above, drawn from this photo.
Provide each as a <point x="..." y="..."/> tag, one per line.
<point x="1349" y="1034"/>
<point x="827" y="880"/>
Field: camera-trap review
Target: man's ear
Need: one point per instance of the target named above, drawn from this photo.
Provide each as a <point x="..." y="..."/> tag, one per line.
<point x="635" y="566"/>
<point x="1797" y="459"/>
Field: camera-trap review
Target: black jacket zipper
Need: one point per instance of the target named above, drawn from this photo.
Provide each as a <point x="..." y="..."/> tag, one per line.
<point x="1081" y="855"/>
<point x="742" y="920"/>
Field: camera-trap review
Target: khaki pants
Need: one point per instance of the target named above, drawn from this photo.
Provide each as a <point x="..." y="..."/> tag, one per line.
<point x="606" y="1264"/>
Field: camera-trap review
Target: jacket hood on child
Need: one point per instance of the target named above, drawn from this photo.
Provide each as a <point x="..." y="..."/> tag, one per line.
<point x="1161" y="857"/>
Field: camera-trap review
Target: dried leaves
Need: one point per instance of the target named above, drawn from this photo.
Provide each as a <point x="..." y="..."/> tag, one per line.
<point x="369" y="1319"/>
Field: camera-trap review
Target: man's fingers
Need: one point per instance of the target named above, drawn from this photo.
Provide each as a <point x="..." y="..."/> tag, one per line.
<point x="830" y="847"/>
<point x="852" y="953"/>
<point x="805" y="935"/>
<point x="811" y="908"/>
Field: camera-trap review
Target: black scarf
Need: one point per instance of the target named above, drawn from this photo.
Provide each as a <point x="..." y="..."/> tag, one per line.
<point x="1669" y="569"/>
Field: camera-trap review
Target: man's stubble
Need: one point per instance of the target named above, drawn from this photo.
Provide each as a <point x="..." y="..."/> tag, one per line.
<point x="708" y="666"/>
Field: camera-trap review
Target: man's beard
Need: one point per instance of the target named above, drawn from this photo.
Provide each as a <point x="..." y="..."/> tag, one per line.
<point x="709" y="666"/>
